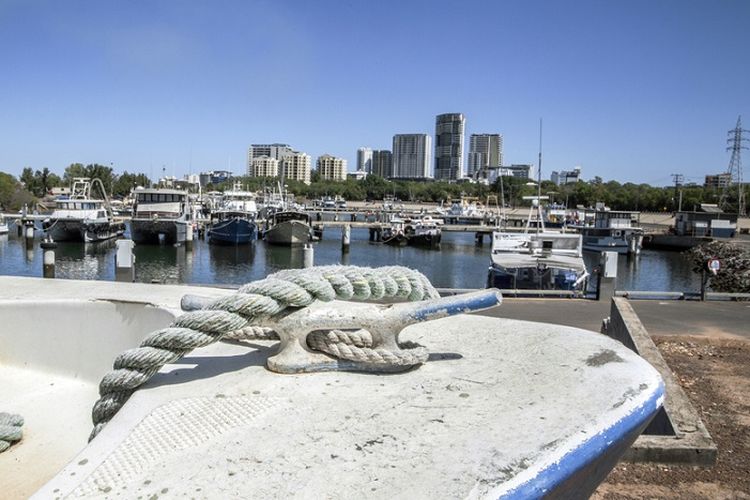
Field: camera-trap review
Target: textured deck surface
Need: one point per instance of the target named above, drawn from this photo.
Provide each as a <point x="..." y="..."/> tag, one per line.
<point x="500" y="402"/>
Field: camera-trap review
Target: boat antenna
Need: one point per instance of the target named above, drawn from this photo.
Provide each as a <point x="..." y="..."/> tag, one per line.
<point x="539" y="166"/>
<point x="539" y="182"/>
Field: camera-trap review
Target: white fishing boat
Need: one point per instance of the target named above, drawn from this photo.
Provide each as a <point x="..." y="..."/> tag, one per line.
<point x="487" y="414"/>
<point x="82" y="217"/>
<point x="159" y="215"/>
<point x="537" y="261"/>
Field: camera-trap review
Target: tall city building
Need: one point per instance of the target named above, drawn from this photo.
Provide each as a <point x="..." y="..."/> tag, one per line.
<point x="382" y="163"/>
<point x="276" y="151"/>
<point x="331" y="168"/>
<point x="265" y="166"/>
<point x="296" y="166"/>
<point x="449" y="146"/>
<point x="364" y="160"/>
<point x="411" y="156"/>
<point x="485" y="152"/>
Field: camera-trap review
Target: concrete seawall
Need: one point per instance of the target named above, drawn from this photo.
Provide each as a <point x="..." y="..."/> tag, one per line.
<point x="677" y="433"/>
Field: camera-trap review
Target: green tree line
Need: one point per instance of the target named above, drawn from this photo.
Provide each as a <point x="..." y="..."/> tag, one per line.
<point x="628" y="196"/>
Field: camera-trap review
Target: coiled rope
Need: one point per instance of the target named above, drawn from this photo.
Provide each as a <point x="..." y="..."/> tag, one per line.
<point x="230" y="317"/>
<point x="10" y="430"/>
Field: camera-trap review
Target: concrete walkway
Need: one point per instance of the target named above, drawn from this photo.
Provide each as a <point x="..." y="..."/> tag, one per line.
<point x="660" y="317"/>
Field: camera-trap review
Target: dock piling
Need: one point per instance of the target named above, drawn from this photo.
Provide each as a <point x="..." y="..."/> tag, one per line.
<point x="346" y="235"/>
<point x="29" y="229"/>
<point x="189" y="236"/>
<point x="308" y="255"/>
<point x="48" y="259"/>
<point x="125" y="261"/>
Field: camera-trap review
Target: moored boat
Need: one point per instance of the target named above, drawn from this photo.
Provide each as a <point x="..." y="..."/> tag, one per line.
<point x="234" y="222"/>
<point x="158" y="215"/>
<point x="3" y="225"/>
<point x="394" y="234"/>
<point x="423" y="232"/>
<point x="537" y="261"/>
<point x="289" y="227"/>
<point x="612" y="231"/>
<point x="82" y="217"/>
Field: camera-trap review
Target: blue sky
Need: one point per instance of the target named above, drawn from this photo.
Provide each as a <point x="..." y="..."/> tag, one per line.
<point x="630" y="90"/>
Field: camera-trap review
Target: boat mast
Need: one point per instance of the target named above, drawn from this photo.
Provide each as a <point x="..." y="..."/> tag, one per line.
<point x="539" y="183"/>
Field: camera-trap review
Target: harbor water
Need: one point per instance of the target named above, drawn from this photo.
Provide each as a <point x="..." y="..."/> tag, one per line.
<point x="459" y="263"/>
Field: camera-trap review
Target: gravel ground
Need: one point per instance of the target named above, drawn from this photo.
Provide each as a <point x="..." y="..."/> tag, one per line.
<point x="715" y="373"/>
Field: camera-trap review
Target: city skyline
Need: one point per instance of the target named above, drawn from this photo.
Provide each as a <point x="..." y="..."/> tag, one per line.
<point x="631" y="91"/>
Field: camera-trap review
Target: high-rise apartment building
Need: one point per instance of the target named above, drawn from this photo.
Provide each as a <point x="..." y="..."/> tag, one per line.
<point x="296" y="166"/>
<point x="265" y="166"/>
<point x="382" y="163"/>
<point x="364" y="160"/>
<point x="331" y="168"/>
<point x="276" y="151"/>
<point x="449" y="146"/>
<point x="485" y="152"/>
<point x="411" y="156"/>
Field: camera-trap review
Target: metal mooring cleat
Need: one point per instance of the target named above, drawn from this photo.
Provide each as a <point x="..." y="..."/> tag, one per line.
<point x="384" y="322"/>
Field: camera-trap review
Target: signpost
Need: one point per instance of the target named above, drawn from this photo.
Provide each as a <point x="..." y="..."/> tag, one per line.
<point x="714" y="265"/>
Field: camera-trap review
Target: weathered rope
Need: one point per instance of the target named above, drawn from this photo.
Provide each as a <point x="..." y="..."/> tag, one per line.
<point x="10" y="430"/>
<point x="358" y="346"/>
<point x="254" y="302"/>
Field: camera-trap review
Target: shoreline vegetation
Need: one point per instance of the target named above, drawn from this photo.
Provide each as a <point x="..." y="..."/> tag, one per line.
<point x="32" y="186"/>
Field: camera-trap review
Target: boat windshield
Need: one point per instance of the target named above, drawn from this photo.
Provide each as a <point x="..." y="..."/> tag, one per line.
<point x="288" y="216"/>
<point x="78" y="205"/>
<point x="160" y="197"/>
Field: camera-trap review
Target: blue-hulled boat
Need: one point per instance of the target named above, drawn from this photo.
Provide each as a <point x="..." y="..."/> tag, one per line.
<point x="234" y="223"/>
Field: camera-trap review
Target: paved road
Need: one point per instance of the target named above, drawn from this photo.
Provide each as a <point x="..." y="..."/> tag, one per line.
<point x="671" y="317"/>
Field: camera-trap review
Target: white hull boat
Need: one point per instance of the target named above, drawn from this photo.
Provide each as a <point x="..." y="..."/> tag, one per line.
<point x="160" y="215"/>
<point x="487" y="415"/>
<point x="81" y="217"/>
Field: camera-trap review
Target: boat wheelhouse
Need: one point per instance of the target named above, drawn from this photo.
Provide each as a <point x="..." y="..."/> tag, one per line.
<point x="160" y="215"/>
<point x="613" y="231"/>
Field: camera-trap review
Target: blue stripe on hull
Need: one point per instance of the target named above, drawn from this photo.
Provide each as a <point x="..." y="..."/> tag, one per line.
<point x="581" y="470"/>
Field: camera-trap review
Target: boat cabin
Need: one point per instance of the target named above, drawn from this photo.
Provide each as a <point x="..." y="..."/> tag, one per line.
<point x="170" y="203"/>
<point x="290" y="215"/>
<point x="616" y="219"/>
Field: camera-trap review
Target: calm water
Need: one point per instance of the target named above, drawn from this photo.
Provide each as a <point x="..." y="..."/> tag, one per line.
<point x="459" y="263"/>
